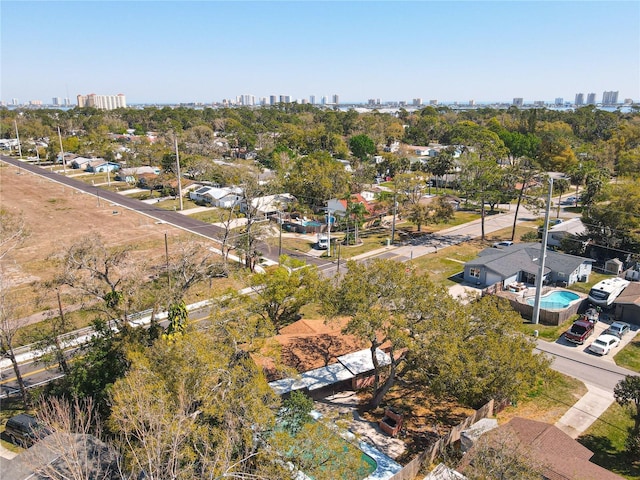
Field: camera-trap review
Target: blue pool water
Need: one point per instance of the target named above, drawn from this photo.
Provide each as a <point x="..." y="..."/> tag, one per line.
<point x="312" y="223"/>
<point x="555" y="300"/>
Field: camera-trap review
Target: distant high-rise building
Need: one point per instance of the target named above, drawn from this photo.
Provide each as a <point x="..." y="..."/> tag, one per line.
<point x="335" y="99"/>
<point x="417" y="102"/>
<point x="247" y="100"/>
<point x="610" y="98"/>
<point x="312" y="99"/>
<point x="518" y="101"/>
<point x="35" y="102"/>
<point x="591" y="99"/>
<point x="324" y="100"/>
<point x="559" y="101"/>
<point x="628" y="101"/>
<point x="273" y="99"/>
<point x="579" y="99"/>
<point x="102" y="102"/>
<point x="472" y="102"/>
<point x="285" y="98"/>
<point x="67" y="102"/>
<point x="55" y="101"/>
<point x="14" y="101"/>
<point x="538" y="103"/>
<point x="433" y="102"/>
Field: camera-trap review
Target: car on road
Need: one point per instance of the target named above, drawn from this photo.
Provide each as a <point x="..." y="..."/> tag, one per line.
<point x="24" y="430"/>
<point x="579" y="331"/>
<point x="504" y="243"/>
<point x="618" y="329"/>
<point x="571" y="200"/>
<point x="604" y="344"/>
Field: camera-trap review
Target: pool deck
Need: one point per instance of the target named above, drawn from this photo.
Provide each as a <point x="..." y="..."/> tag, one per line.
<point x="371" y="439"/>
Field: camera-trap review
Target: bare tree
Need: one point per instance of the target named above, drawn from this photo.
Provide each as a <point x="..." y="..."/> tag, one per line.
<point x="103" y="273"/>
<point x="74" y="443"/>
<point x="9" y="326"/>
<point x="12" y="232"/>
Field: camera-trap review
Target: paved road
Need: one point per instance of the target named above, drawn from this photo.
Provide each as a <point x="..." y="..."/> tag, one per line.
<point x="206" y="230"/>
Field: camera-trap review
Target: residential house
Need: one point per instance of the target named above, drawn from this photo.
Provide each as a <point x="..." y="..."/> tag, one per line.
<point x="559" y="456"/>
<point x="520" y="263"/>
<point x="217" y="196"/>
<point x="270" y="204"/>
<point x="82" y="162"/>
<point x="101" y="166"/>
<point x="627" y="305"/>
<point x="569" y="228"/>
<point x="346" y="164"/>
<point x="339" y="206"/>
<point x="130" y="174"/>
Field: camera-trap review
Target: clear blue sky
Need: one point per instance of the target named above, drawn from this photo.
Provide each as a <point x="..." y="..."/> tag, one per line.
<point x="205" y="51"/>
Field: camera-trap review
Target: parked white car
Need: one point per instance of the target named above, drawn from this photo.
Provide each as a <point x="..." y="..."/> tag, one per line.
<point x="604" y="344"/>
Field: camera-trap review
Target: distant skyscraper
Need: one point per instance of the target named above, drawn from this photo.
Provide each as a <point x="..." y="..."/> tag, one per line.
<point x="559" y="101"/>
<point x="285" y="98"/>
<point x="417" y="102"/>
<point x="324" y="100"/>
<point x="248" y="100"/>
<point x="14" y="101"/>
<point x="67" y="102"/>
<point x="579" y="99"/>
<point x="610" y="98"/>
<point x="312" y="99"/>
<point x="518" y="101"/>
<point x="433" y="102"/>
<point x="102" y="102"/>
<point x="538" y="103"/>
<point x="335" y="99"/>
<point x="472" y="102"/>
<point x="273" y="99"/>
<point x="591" y="99"/>
<point x="55" y="101"/>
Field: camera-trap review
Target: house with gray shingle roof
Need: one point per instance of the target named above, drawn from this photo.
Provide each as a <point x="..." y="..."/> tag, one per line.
<point x="520" y="263"/>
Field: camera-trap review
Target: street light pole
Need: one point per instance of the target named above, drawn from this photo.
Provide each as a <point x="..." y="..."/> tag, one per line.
<point x="543" y="254"/>
<point x="280" y="238"/>
<point x="329" y="232"/>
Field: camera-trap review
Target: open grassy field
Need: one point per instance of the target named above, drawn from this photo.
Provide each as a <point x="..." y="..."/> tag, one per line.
<point x="56" y="217"/>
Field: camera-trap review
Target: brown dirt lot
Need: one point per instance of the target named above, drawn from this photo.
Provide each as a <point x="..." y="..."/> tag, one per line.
<point x="57" y="216"/>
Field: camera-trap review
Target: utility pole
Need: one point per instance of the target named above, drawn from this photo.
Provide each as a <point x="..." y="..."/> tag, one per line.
<point x="280" y="237"/>
<point x="64" y="162"/>
<point x="175" y="139"/>
<point x="328" y="233"/>
<point x="166" y="256"/>
<point x="543" y="255"/>
<point x="393" y="224"/>
<point x="18" y="138"/>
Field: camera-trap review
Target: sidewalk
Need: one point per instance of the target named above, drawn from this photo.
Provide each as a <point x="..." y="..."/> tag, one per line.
<point x="585" y="411"/>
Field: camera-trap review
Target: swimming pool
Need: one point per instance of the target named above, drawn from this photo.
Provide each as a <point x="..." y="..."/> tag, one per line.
<point x="312" y="223"/>
<point x="555" y="300"/>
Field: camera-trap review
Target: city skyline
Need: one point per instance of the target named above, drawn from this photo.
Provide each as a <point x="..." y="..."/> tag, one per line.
<point x="395" y="51"/>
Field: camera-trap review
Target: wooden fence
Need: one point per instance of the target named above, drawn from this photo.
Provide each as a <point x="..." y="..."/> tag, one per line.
<point x="412" y="469"/>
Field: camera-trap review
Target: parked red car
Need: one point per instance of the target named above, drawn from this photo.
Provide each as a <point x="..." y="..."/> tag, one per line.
<point x="579" y="331"/>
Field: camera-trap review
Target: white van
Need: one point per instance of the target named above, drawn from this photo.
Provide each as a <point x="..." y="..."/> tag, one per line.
<point x="323" y="241"/>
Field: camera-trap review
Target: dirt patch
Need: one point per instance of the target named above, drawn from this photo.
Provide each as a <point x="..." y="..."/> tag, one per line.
<point x="426" y="417"/>
<point x="306" y="345"/>
<point x="56" y="216"/>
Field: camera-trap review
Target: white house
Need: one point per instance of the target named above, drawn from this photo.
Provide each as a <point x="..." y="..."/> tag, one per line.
<point x="571" y="227"/>
<point x="270" y="204"/>
<point x="218" y="197"/>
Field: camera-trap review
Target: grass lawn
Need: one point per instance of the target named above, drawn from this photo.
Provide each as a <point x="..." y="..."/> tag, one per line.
<point x="548" y="401"/>
<point x="629" y="356"/>
<point x="547" y="332"/>
<point x="585" y="287"/>
<point x="213" y="215"/>
<point x="447" y="262"/>
<point x="606" y="439"/>
<point x="174" y="204"/>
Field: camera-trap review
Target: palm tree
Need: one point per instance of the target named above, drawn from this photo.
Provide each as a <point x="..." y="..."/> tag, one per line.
<point x="357" y="211"/>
